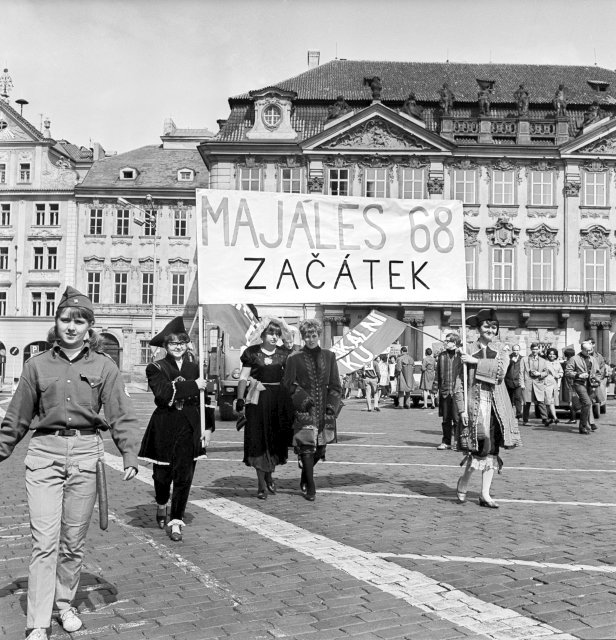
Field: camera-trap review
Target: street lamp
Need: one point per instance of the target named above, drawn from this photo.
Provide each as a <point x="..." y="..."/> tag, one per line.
<point x="151" y="219"/>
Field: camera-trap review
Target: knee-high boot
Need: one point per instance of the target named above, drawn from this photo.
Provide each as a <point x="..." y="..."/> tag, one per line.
<point x="308" y="475"/>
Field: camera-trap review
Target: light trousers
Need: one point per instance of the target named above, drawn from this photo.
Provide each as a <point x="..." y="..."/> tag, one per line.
<point x="61" y="490"/>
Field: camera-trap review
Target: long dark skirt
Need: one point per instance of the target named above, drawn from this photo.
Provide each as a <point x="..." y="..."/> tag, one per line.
<point x="267" y="432"/>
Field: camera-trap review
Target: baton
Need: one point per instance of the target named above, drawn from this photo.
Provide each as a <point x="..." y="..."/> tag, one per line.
<point x="101" y="490"/>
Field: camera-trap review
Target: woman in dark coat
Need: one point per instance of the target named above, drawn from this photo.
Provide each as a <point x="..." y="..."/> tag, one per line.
<point x="312" y="380"/>
<point x="172" y="440"/>
<point x="266" y="434"/>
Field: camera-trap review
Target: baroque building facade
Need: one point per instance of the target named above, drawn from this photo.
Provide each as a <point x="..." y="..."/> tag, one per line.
<point x="38" y="222"/>
<point x="530" y="150"/>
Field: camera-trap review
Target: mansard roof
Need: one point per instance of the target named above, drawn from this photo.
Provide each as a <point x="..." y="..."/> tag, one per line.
<point x="346" y="77"/>
<point x="157" y="168"/>
<point x="319" y="87"/>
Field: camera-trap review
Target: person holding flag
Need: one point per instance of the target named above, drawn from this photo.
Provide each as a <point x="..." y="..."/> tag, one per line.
<point x="172" y="440"/>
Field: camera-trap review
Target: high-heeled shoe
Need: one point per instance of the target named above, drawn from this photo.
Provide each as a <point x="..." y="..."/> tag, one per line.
<point x="490" y="504"/>
<point x="161" y="516"/>
<point x="460" y="494"/>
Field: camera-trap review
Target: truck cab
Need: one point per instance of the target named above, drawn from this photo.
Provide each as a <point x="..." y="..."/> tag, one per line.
<point x="223" y="369"/>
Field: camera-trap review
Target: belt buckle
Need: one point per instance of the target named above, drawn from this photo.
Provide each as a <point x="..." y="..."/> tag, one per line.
<point x="69" y="432"/>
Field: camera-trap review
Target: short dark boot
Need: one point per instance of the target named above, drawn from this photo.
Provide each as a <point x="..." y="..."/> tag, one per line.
<point x="308" y="476"/>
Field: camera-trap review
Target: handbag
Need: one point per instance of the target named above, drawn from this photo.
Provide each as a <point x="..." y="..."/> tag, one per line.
<point x="241" y="421"/>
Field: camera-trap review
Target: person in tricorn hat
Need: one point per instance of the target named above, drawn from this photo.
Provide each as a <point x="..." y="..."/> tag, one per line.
<point x="172" y="440"/>
<point x="491" y="422"/>
<point x="64" y="388"/>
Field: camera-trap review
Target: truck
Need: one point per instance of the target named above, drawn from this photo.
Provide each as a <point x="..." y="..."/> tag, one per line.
<point x="223" y="368"/>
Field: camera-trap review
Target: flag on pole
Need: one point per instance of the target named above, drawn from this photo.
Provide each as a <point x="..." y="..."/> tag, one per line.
<point x="237" y="320"/>
<point x="366" y="340"/>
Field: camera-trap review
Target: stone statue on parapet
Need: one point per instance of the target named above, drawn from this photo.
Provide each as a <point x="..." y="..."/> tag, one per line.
<point x="484" y="98"/>
<point x="446" y="99"/>
<point x="411" y="107"/>
<point x="559" y="102"/>
<point x="375" y="86"/>
<point x="592" y="114"/>
<point x="522" y="99"/>
<point x="339" y="108"/>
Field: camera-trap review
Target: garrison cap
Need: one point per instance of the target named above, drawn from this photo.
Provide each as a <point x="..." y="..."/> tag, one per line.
<point x="175" y="326"/>
<point x="73" y="298"/>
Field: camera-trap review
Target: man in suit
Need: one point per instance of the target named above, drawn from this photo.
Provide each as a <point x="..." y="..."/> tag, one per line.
<point x="584" y="373"/>
<point x="512" y="380"/>
<point x="532" y="373"/>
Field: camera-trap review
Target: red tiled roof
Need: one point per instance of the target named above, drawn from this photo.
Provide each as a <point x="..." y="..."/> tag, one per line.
<point x="157" y="168"/>
<point x="75" y="152"/>
<point x="346" y="77"/>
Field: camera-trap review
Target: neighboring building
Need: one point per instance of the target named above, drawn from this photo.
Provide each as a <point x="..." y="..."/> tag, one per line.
<point x="530" y="150"/>
<point x="38" y="219"/>
<point x="115" y="256"/>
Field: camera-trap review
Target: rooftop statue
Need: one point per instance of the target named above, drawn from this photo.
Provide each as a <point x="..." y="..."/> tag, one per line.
<point x="522" y="99"/>
<point x="559" y="102"/>
<point x="484" y="97"/>
<point x="339" y="108"/>
<point x="446" y="99"/>
<point x="411" y="107"/>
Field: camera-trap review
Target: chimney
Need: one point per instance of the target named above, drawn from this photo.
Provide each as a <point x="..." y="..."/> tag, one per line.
<point x="47" y="130"/>
<point x="168" y="127"/>
<point x="313" y="59"/>
<point x="97" y="151"/>
<point x="221" y="124"/>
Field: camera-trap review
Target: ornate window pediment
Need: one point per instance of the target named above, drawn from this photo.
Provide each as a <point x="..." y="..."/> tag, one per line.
<point x="94" y="263"/>
<point x="121" y="263"/>
<point x="595" y="237"/>
<point x="594" y="166"/>
<point x="471" y="236"/>
<point x="273" y="108"/>
<point x="503" y="234"/>
<point x="377" y="134"/>
<point x="541" y="237"/>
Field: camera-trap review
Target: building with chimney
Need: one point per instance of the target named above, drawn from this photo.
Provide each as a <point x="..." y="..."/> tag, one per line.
<point x="136" y="251"/>
<point x="530" y="150"/>
<point x="38" y="223"/>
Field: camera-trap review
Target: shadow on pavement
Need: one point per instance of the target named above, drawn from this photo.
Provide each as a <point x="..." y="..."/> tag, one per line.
<point x="144" y="516"/>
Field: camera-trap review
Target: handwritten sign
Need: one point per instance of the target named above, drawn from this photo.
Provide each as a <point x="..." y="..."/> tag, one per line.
<point x="308" y="248"/>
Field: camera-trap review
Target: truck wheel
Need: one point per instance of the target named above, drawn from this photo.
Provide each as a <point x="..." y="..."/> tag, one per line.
<point x="226" y="411"/>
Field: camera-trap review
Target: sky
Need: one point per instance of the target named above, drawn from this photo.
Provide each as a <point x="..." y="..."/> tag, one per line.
<point x="111" y="71"/>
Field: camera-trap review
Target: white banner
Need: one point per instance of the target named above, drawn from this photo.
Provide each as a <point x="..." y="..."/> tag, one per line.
<point x="268" y="247"/>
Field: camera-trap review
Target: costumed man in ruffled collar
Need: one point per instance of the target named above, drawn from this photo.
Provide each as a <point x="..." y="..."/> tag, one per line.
<point x="172" y="440"/>
<point x="491" y="422"/>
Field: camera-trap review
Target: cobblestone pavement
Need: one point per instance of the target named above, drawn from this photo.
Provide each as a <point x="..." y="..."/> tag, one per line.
<point x="384" y="552"/>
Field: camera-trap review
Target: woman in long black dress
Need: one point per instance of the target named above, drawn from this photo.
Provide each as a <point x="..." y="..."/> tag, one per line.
<point x="172" y="440"/>
<point x="266" y="434"/>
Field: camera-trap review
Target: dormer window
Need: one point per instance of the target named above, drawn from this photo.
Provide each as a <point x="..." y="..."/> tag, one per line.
<point x="186" y="175"/>
<point x="128" y="174"/>
<point x="598" y="85"/>
<point x="272" y="115"/>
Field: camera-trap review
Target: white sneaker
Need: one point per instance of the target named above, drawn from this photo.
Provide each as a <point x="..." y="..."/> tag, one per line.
<point x="69" y="620"/>
<point x="443" y="447"/>
<point x="37" y="634"/>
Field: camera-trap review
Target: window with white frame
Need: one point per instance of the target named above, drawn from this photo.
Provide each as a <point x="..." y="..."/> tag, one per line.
<point x="338" y="182"/>
<point x="50" y="303"/>
<point x="122" y="222"/>
<point x="465" y="185"/>
<point x="4" y="258"/>
<point x="502" y="268"/>
<point x="39" y="258"/>
<point x="541" y="188"/>
<point x="37" y="303"/>
<point x="186" y="175"/>
<point x="149" y="226"/>
<point x="147" y="287"/>
<point x="250" y="178"/>
<point x="470" y="254"/>
<point x="595" y="188"/>
<point x="594" y="268"/>
<point x="503" y="187"/>
<point x="375" y="185"/>
<point x="52" y="258"/>
<point x="145" y="352"/>
<point x="5" y="215"/>
<point x="54" y="214"/>
<point x="177" y="288"/>
<point x="128" y="174"/>
<point x="291" y="180"/>
<point x="46" y="214"/>
<point x="94" y="286"/>
<point x="3" y="297"/>
<point x="40" y="215"/>
<point x="412" y="183"/>
<point x="120" y="287"/>
<point x="2" y="173"/>
<point x="542" y="269"/>
<point x="180" y="223"/>
<point x="272" y="116"/>
<point x="24" y="172"/>
<point x="95" y="222"/>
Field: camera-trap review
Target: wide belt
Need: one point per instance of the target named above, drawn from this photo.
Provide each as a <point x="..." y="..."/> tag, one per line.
<point x="68" y="432"/>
